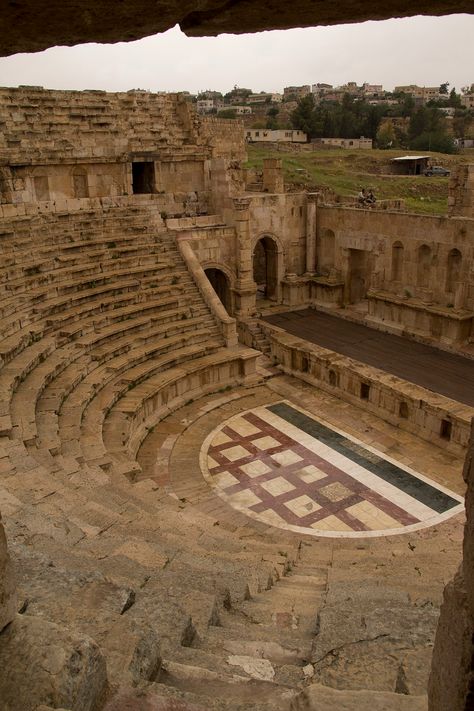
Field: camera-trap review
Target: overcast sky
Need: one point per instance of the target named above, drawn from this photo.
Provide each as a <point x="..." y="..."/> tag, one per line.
<point x="420" y="50"/>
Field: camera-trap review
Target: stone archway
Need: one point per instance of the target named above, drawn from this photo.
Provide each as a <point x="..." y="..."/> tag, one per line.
<point x="221" y="284"/>
<point x="266" y="268"/>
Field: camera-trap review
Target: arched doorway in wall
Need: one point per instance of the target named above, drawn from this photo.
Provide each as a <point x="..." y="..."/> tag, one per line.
<point x="221" y="284"/>
<point x="265" y="268"/>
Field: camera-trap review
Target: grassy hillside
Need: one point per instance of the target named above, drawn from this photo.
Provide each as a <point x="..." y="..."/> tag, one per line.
<point x="344" y="172"/>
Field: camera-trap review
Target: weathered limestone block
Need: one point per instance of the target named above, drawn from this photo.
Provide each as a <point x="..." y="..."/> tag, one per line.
<point x="131" y="649"/>
<point x="42" y="663"/>
<point x="132" y="652"/>
<point x="451" y="684"/>
<point x="7" y="585"/>
<point x="137" y="700"/>
<point x="319" y="698"/>
<point x="364" y="637"/>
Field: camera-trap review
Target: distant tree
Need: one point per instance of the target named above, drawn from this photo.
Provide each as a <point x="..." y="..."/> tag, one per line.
<point x="401" y="137"/>
<point x="426" y="120"/>
<point x="303" y="117"/>
<point x="372" y="121"/>
<point x="443" y="88"/>
<point x="227" y="113"/>
<point x="434" y="141"/>
<point x="407" y="104"/>
<point x="272" y="114"/>
<point x="386" y="137"/>
<point x="462" y="122"/>
<point x="454" y="99"/>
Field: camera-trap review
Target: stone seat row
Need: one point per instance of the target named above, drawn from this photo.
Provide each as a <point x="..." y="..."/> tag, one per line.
<point x="90" y="311"/>
<point x="65" y="416"/>
<point x="126" y="534"/>
<point x="155" y="332"/>
<point x="26" y="380"/>
<point x="91" y="371"/>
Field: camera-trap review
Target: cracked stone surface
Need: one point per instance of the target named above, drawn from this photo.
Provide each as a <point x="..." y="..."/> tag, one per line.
<point x="256" y="668"/>
<point x="7" y="585"/>
<point x="33" y="25"/>
<point x="53" y="666"/>
<point x="363" y="642"/>
<point x="317" y="697"/>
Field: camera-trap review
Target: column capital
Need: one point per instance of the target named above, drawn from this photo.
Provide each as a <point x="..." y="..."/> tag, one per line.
<point x="241" y="203"/>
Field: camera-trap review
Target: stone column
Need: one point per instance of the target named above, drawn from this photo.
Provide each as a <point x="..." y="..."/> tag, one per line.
<point x="460" y="294"/>
<point x="273" y="175"/>
<point x="311" y="210"/>
<point x="345" y="262"/>
<point x="7" y="584"/>
<point x="245" y="289"/>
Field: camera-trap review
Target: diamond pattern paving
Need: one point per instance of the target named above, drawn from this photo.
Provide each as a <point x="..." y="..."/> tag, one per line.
<point x="285" y="468"/>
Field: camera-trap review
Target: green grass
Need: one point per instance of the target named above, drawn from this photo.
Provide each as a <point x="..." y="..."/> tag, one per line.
<point x="344" y="172"/>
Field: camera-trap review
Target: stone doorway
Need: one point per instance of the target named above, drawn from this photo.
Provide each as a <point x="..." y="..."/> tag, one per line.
<point x="265" y="268"/>
<point x="221" y="285"/>
<point x="359" y="275"/>
<point x="143" y="177"/>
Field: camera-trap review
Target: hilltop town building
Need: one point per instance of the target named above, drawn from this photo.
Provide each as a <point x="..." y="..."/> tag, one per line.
<point x="365" y="143"/>
<point x="267" y="135"/>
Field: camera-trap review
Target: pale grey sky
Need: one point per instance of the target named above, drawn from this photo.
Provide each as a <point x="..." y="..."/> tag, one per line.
<point x="419" y="50"/>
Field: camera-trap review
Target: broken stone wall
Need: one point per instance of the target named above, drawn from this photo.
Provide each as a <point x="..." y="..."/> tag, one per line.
<point x="461" y="191"/>
<point x="282" y="217"/>
<point x="41" y="183"/>
<point x="45" y="126"/>
<point x="226" y="137"/>
<point x="59" y="146"/>
<point x="377" y="232"/>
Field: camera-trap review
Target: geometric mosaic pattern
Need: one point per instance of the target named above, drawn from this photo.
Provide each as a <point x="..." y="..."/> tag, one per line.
<point x="284" y="467"/>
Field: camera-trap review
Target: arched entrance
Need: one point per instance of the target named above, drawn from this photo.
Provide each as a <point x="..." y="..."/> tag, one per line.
<point x="221" y="285"/>
<point x="265" y="268"/>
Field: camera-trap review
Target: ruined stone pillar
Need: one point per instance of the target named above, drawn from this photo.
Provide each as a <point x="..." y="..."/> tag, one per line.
<point x="245" y="289"/>
<point x="311" y="210"/>
<point x="7" y="584"/>
<point x="461" y="191"/>
<point x="460" y="294"/>
<point x="273" y="175"/>
<point x="451" y="684"/>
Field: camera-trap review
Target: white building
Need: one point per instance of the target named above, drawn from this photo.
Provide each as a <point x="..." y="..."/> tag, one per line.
<point x="365" y="143"/>
<point x="205" y="106"/>
<point x="257" y="135"/>
<point x="242" y="110"/>
<point x="467" y="100"/>
<point x="372" y="89"/>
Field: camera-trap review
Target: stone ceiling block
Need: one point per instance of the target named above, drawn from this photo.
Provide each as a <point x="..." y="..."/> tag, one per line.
<point x="33" y="25"/>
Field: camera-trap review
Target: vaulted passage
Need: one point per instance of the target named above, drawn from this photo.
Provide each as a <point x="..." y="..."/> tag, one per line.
<point x="220" y="284"/>
<point x="265" y="268"/>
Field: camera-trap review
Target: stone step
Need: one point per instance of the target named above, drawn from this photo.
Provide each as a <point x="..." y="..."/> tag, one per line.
<point x="323" y="698"/>
<point x="160" y="697"/>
